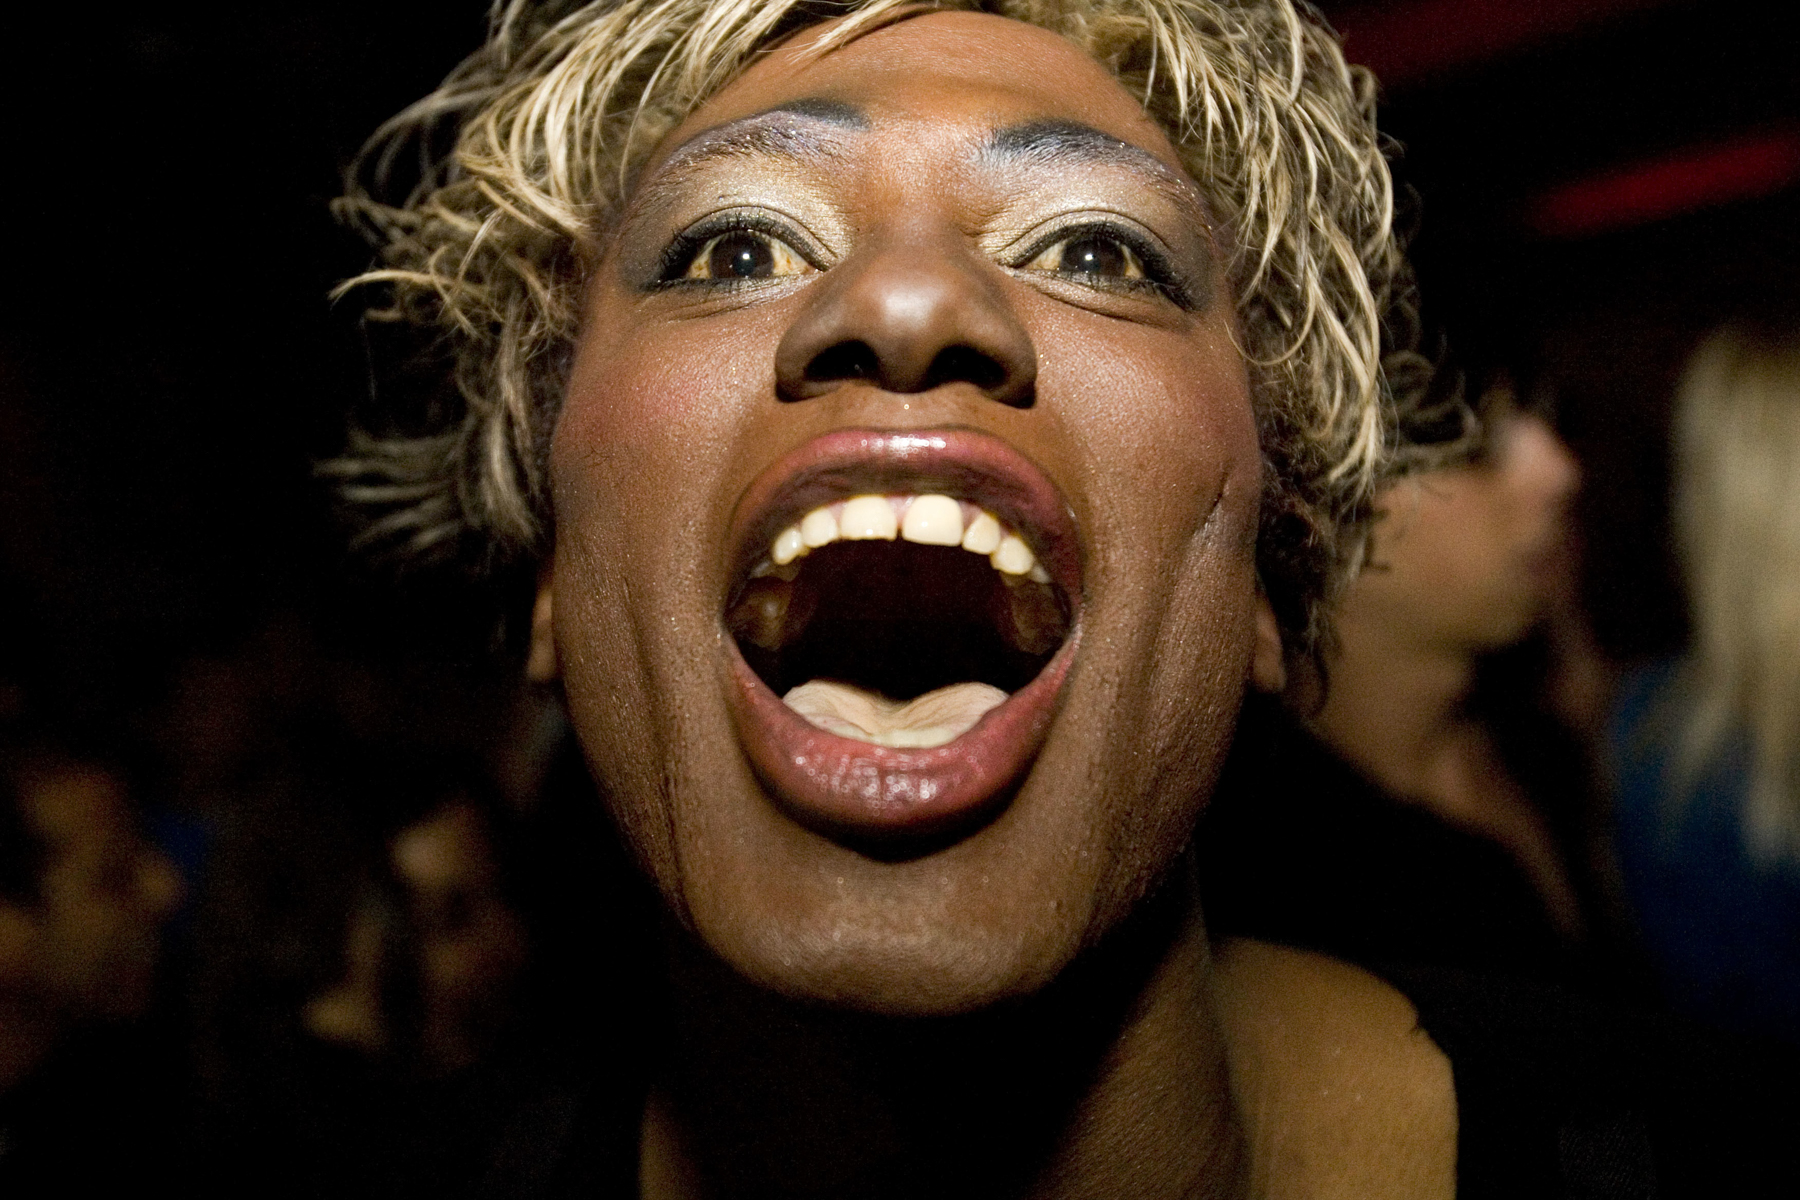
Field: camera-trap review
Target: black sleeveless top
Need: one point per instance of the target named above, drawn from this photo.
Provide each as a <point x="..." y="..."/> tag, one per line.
<point x="1297" y="847"/>
<point x="1563" y="1096"/>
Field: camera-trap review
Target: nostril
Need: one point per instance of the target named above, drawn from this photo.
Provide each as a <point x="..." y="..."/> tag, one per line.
<point x="964" y="364"/>
<point x="846" y="360"/>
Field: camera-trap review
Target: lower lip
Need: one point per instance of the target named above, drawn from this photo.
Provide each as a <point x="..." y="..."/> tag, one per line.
<point x="849" y="789"/>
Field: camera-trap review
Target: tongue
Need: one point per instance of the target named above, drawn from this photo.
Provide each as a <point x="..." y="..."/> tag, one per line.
<point x="925" y="721"/>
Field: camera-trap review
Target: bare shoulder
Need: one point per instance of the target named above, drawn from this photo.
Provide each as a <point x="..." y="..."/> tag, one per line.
<point x="1340" y="1092"/>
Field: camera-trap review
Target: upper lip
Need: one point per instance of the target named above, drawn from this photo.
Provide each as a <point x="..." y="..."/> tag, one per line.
<point x="962" y="463"/>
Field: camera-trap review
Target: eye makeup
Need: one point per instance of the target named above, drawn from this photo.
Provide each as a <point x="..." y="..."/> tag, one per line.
<point x="673" y="266"/>
<point x="1130" y="226"/>
<point x="1157" y="271"/>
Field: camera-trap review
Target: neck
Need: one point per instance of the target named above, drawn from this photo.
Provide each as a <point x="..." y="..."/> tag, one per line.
<point x="1418" y="692"/>
<point x="1112" y="1081"/>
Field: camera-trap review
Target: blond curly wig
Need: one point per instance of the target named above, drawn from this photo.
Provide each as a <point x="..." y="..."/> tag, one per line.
<point x="529" y="148"/>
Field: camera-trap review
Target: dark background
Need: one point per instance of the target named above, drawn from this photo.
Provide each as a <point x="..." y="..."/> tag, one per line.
<point x="1602" y="180"/>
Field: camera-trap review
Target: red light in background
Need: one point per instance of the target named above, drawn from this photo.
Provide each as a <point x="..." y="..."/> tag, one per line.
<point x="1403" y="43"/>
<point x="1686" y="181"/>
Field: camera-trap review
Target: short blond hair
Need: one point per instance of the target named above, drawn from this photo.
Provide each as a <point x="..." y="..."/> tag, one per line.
<point x="546" y="124"/>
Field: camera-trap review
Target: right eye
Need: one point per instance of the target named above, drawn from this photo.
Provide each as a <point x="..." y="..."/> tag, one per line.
<point x="1091" y="256"/>
<point x="744" y="254"/>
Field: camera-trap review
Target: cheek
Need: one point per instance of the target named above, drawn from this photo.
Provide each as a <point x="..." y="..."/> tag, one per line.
<point x="642" y="455"/>
<point x="644" y="436"/>
<point x="1455" y="544"/>
<point x="1168" y="438"/>
<point x="1165" y="420"/>
<point x="643" y="412"/>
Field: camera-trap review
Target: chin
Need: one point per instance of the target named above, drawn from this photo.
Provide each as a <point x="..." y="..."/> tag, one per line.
<point x="1508" y="622"/>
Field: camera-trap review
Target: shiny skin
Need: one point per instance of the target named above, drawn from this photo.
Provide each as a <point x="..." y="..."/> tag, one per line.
<point x="1136" y="406"/>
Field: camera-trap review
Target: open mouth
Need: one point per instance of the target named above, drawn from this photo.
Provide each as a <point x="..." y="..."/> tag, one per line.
<point x="898" y="620"/>
<point x="902" y="612"/>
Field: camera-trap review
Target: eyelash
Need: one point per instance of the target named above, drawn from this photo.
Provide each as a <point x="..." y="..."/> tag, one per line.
<point x="672" y="267"/>
<point x="1160" y="276"/>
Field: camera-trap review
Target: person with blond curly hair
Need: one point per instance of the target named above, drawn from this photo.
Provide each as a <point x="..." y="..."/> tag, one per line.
<point x="925" y="423"/>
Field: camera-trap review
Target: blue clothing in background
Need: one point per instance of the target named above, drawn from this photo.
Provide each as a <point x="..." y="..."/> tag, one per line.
<point x="1722" y="928"/>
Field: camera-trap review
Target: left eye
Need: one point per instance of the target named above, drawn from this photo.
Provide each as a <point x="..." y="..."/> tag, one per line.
<point x="744" y="254"/>
<point x="1093" y="255"/>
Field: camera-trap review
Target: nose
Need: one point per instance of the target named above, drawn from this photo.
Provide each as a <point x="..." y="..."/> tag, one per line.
<point x="908" y="316"/>
<point x="1542" y="462"/>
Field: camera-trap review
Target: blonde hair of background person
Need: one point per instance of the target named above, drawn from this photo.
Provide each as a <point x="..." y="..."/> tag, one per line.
<point x="553" y="117"/>
<point x="1737" y="527"/>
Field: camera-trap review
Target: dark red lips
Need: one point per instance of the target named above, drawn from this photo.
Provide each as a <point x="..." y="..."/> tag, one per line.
<point x="848" y="788"/>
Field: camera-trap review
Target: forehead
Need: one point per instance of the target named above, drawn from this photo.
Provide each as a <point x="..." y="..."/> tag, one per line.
<point x="934" y="75"/>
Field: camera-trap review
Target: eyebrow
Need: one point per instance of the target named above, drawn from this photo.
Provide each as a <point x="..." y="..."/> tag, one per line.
<point x="811" y="128"/>
<point x="807" y="128"/>
<point x="1054" y="144"/>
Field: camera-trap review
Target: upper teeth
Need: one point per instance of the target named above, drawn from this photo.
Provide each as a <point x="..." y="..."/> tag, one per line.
<point x="930" y="520"/>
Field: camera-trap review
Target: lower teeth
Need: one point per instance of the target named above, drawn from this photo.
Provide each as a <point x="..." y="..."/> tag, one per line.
<point x="933" y="719"/>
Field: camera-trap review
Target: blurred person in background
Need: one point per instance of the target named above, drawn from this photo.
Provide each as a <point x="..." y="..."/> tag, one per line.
<point x="1705" y="749"/>
<point x="83" y="898"/>
<point x="440" y="898"/>
<point x="361" y="954"/>
<point x="1394" y="810"/>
